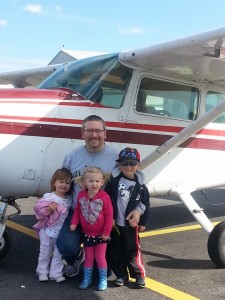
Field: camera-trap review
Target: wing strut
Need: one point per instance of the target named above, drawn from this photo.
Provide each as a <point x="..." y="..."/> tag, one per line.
<point x="182" y="191"/>
<point x="183" y="135"/>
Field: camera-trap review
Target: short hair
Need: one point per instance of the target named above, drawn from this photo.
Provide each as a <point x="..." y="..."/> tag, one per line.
<point x="60" y="174"/>
<point x="91" y="170"/>
<point x="93" y="118"/>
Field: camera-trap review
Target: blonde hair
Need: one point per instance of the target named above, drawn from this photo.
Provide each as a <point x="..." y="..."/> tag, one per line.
<point x="91" y="170"/>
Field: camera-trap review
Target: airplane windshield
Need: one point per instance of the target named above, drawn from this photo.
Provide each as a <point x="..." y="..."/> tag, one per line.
<point x="101" y="79"/>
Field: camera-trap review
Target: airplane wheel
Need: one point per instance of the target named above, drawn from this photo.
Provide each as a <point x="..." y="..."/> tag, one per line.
<point x="216" y="245"/>
<point x="5" y="242"/>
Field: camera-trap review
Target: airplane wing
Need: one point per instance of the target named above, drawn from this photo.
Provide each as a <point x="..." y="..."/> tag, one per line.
<point x="29" y="77"/>
<point x="198" y="58"/>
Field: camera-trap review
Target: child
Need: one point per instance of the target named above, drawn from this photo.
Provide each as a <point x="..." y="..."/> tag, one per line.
<point x="95" y="215"/>
<point x="51" y="212"/>
<point x="127" y="190"/>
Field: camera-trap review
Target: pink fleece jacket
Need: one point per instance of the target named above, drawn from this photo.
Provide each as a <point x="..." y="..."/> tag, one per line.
<point x="95" y="215"/>
<point x="46" y="218"/>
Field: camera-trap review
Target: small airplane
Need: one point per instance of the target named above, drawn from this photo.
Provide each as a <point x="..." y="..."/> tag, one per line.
<point x="166" y="100"/>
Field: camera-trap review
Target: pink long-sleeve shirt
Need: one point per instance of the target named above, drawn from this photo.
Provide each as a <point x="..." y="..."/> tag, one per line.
<point x="95" y="215"/>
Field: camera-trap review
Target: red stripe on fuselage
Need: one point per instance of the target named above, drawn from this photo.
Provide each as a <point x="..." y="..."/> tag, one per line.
<point x="118" y="136"/>
<point x="132" y="126"/>
<point x="60" y="97"/>
<point x="84" y="103"/>
<point x="55" y="94"/>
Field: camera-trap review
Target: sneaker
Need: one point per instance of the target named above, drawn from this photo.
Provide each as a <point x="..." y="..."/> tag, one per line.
<point x="73" y="270"/>
<point x="109" y="273"/>
<point x="121" y="281"/>
<point x="69" y="271"/>
<point x="59" y="279"/>
<point x="140" y="282"/>
<point x="43" y="277"/>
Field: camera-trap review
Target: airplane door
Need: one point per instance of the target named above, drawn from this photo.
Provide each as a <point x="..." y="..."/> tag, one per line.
<point x="160" y="109"/>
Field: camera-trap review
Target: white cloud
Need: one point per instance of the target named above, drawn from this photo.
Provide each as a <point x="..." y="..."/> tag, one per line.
<point x="135" y="30"/>
<point x="33" y="8"/>
<point x="3" y="22"/>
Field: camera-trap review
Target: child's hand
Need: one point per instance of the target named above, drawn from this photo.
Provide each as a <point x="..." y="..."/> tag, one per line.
<point x="141" y="228"/>
<point x="52" y="207"/>
<point x="104" y="237"/>
<point x="133" y="217"/>
<point x="73" y="227"/>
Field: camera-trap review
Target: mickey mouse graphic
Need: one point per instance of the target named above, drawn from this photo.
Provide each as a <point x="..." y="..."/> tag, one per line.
<point x="125" y="192"/>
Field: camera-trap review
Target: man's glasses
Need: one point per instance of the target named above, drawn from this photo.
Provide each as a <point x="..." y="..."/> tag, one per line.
<point x="131" y="163"/>
<point x="91" y="131"/>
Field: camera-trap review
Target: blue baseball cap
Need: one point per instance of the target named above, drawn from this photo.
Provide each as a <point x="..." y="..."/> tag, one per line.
<point x="129" y="153"/>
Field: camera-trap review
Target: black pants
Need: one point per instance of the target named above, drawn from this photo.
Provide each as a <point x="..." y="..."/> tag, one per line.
<point x="124" y="253"/>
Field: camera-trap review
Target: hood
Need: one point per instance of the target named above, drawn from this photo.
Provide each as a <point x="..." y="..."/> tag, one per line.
<point x="139" y="175"/>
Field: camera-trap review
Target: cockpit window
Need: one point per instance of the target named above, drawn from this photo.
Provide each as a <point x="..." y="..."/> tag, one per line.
<point x="213" y="99"/>
<point x="101" y="79"/>
<point x="167" y="99"/>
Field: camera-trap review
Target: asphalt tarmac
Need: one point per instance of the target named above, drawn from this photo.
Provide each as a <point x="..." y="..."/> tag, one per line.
<point x="174" y="250"/>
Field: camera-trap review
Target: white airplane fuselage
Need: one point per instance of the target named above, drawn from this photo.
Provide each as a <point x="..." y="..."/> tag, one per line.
<point x="39" y="127"/>
<point x="168" y="101"/>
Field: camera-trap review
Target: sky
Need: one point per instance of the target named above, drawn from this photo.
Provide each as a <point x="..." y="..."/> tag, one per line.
<point x="33" y="32"/>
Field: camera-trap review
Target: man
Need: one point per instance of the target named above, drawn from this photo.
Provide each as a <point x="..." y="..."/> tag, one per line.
<point x="95" y="153"/>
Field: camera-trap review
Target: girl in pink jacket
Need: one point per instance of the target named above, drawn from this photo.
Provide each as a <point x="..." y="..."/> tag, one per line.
<point x="95" y="215"/>
<point x="51" y="212"/>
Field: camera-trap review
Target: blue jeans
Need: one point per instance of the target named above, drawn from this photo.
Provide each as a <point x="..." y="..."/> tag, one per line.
<point x="68" y="242"/>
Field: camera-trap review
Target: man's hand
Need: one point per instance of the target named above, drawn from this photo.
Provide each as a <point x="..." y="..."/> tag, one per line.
<point x="133" y="217"/>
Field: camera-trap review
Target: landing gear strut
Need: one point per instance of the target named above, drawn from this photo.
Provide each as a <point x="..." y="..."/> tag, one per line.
<point x="5" y="233"/>
<point x="216" y="240"/>
<point x="5" y="242"/>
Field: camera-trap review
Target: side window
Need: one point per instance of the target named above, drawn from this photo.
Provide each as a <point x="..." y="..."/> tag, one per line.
<point x="213" y="99"/>
<point x="163" y="98"/>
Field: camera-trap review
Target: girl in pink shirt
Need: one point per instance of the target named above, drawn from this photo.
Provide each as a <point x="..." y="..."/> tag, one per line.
<point x="94" y="213"/>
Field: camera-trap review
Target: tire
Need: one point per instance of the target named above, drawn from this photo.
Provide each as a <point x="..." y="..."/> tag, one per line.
<point x="216" y="245"/>
<point x="5" y="242"/>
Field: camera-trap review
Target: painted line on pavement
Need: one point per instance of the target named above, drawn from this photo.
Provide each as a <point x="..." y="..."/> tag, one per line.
<point x="166" y="290"/>
<point x="22" y="229"/>
<point x="171" y="230"/>
<point x="151" y="284"/>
